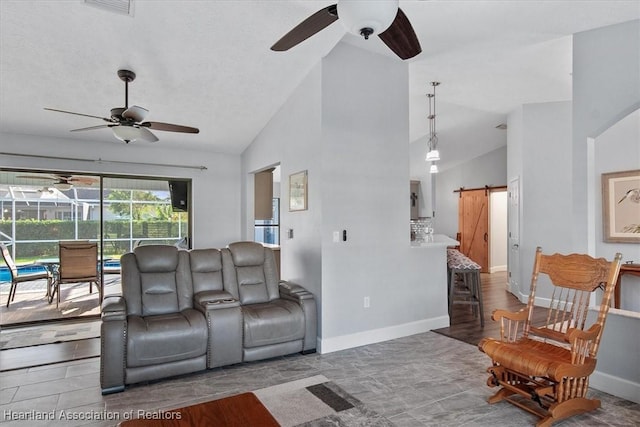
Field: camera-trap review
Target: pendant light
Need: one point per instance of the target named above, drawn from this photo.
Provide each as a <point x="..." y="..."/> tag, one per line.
<point x="432" y="144"/>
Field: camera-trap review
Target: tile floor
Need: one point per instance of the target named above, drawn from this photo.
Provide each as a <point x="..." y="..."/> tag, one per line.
<point x="421" y="380"/>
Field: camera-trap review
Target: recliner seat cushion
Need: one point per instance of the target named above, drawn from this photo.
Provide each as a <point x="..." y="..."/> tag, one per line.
<point x="274" y="322"/>
<point x="165" y="338"/>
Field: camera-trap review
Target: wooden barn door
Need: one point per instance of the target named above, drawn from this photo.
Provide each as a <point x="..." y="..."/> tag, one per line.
<point x="473" y="225"/>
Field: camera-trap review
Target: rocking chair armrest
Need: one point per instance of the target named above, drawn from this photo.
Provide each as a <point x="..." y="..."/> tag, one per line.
<point x="582" y="344"/>
<point x="518" y="316"/>
<point x="578" y="334"/>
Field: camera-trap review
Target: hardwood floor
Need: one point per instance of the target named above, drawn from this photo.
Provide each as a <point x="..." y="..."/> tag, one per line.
<point x="464" y="326"/>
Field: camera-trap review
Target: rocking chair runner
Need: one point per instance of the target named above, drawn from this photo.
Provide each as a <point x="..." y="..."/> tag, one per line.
<point x="550" y="362"/>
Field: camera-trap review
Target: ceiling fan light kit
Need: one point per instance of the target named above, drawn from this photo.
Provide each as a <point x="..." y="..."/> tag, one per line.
<point x="367" y="17"/>
<point x="62" y="186"/>
<point x="127" y="122"/>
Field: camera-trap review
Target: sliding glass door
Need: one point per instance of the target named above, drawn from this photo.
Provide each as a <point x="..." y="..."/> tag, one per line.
<point x="119" y="212"/>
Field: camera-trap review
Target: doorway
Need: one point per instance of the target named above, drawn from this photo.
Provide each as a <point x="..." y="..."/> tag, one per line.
<point x="482" y="227"/>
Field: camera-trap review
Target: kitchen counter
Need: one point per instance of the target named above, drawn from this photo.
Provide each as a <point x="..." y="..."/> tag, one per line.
<point x="437" y="240"/>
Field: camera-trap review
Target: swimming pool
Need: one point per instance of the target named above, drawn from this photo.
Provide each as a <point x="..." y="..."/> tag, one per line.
<point x="5" y="275"/>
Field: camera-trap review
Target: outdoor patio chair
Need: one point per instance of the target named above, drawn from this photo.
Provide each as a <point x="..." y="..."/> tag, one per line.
<point x="18" y="277"/>
<point x="543" y="364"/>
<point x="78" y="263"/>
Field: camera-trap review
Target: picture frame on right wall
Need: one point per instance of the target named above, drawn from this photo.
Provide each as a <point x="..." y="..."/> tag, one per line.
<point x="621" y="206"/>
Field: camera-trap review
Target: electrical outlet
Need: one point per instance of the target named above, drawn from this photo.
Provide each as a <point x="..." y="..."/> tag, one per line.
<point x="367" y="302"/>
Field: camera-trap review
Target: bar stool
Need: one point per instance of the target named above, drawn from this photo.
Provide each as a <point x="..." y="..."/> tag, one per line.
<point x="465" y="273"/>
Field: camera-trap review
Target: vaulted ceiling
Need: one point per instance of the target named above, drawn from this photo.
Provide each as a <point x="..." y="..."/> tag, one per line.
<point x="208" y="64"/>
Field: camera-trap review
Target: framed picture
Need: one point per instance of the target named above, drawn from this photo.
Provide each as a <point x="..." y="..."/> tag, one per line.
<point x="298" y="191"/>
<point x="621" y="206"/>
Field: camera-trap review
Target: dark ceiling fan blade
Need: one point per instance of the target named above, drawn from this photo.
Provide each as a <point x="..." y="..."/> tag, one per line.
<point x="313" y="24"/>
<point x="401" y="38"/>
<point x="79" y="179"/>
<point x="79" y="114"/>
<point x="92" y="128"/>
<point x="169" y="127"/>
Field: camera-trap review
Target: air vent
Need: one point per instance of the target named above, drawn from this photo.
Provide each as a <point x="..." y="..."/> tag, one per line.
<point x="502" y="126"/>
<point x="123" y="7"/>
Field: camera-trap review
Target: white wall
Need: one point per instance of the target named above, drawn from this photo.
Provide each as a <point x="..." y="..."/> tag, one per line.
<point x="216" y="191"/>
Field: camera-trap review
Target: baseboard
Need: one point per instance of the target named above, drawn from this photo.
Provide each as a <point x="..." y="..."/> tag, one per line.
<point x="497" y="268"/>
<point x="343" y="342"/>
<point x="616" y="386"/>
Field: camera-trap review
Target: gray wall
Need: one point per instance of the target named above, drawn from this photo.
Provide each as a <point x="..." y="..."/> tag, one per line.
<point x="549" y="149"/>
<point x="545" y="183"/>
<point x="347" y="124"/>
<point x="489" y="169"/>
<point x="606" y="88"/>
<point x="216" y="191"/>
<point x="292" y="138"/>
<point x="622" y="138"/>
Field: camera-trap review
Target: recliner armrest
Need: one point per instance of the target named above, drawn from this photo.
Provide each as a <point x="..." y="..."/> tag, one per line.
<point x="114" y="308"/>
<point x="293" y="291"/>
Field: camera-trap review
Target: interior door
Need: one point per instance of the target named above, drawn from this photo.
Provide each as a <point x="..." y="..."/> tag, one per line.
<point x="473" y="225"/>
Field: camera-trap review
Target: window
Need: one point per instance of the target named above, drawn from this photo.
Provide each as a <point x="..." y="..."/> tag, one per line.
<point x="268" y="231"/>
<point x="130" y="211"/>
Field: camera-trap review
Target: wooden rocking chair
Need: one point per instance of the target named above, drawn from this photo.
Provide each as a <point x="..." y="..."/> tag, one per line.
<point x="548" y="359"/>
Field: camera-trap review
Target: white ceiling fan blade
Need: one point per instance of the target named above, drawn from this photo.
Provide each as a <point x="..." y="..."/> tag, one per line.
<point x="136" y="113"/>
<point x="147" y="135"/>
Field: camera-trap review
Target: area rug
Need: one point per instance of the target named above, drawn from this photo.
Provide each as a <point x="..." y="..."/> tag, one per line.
<point x="308" y="402"/>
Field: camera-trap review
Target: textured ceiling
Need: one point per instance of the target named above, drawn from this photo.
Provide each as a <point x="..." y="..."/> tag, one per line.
<point x="207" y="64"/>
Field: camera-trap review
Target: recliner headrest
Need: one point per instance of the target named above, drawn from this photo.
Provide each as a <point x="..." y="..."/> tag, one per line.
<point x="156" y="258"/>
<point x="205" y="260"/>
<point x="247" y="253"/>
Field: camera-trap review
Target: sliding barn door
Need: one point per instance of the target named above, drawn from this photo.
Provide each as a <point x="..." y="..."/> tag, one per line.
<point x="473" y="225"/>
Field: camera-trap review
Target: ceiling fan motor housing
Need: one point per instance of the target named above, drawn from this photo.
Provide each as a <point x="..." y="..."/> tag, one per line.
<point x="367" y="17"/>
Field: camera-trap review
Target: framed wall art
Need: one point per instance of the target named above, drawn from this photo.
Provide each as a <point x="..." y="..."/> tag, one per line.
<point x="621" y="206"/>
<point x="298" y="191"/>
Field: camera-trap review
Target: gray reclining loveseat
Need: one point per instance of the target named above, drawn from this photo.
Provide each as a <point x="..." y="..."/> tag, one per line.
<point x="185" y="311"/>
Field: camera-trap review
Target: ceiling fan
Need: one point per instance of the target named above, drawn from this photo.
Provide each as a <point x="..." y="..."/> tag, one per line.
<point x="63" y="182"/>
<point x="127" y="122"/>
<point x="380" y="17"/>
